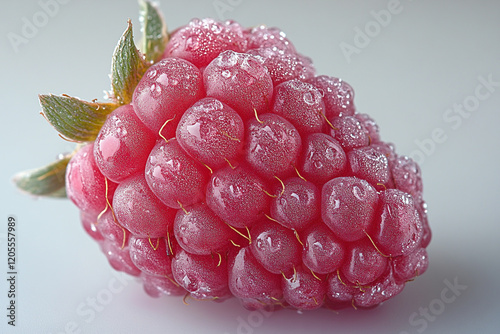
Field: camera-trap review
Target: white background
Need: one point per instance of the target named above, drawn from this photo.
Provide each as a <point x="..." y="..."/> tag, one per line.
<point x="427" y="59"/>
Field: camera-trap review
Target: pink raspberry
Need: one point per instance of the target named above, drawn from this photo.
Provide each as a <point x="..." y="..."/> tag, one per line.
<point x="225" y="167"/>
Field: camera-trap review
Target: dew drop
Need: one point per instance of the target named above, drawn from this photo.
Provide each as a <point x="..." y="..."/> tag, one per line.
<point x="192" y="43"/>
<point x="358" y="193"/>
<point x="309" y="98"/>
<point x="109" y="146"/>
<point x="157" y="173"/>
<point x="194" y="130"/>
<point x="163" y="79"/>
<point x="318" y="164"/>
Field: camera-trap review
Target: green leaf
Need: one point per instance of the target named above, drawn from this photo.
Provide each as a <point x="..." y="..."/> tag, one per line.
<point x="154" y="31"/>
<point x="45" y="181"/>
<point x="127" y="67"/>
<point x="73" y="118"/>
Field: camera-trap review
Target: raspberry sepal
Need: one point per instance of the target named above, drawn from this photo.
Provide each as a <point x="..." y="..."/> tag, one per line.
<point x="45" y="181"/>
<point x="154" y="31"/>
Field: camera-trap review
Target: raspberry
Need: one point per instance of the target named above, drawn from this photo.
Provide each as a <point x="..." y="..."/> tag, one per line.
<point x="323" y="252"/>
<point x="370" y="164"/>
<point x="89" y="223"/>
<point x="399" y="227"/>
<point x="150" y="256"/>
<point x="203" y="276"/>
<point x="223" y="166"/>
<point x="363" y="263"/>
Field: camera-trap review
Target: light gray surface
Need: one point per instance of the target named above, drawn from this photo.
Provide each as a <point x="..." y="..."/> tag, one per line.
<point x="430" y="57"/>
